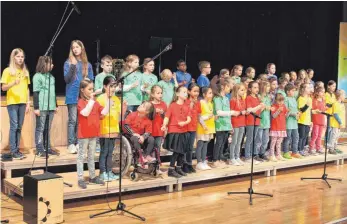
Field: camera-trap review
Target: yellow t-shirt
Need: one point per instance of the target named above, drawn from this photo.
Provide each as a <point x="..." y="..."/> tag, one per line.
<point x="305" y="117"/>
<point x="206" y="110"/>
<point x="110" y="123"/>
<point x="18" y="93"/>
<point x="329" y="99"/>
<point x="339" y="109"/>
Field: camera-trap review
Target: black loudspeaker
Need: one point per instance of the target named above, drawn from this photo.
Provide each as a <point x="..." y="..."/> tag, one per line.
<point x="43" y="198"/>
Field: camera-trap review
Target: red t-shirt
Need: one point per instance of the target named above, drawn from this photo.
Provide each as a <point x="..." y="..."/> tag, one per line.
<point x="252" y="102"/>
<point x="177" y="113"/>
<point x="238" y="105"/>
<point x="158" y="119"/>
<point x="88" y="127"/>
<point x="318" y="119"/>
<point x="138" y="124"/>
<point x="279" y="123"/>
<point x="194" y="112"/>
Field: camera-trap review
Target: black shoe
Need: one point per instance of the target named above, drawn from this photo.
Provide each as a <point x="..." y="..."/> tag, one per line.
<point x="185" y="168"/>
<point x="172" y="173"/>
<point x="16" y="156"/>
<point x="22" y="155"/>
<point x="224" y="158"/>
<point x="180" y="171"/>
<point x="264" y="157"/>
<point x="191" y="168"/>
<point x="332" y="151"/>
<point x="82" y="184"/>
<point x="41" y="154"/>
<point x="257" y="158"/>
<point x="96" y="180"/>
<point x="53" y="153"/>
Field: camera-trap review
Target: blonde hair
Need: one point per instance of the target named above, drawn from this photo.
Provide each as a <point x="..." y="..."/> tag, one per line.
<point x="262" y="88"/>
<point x="249" y="70"/>
<point x="151" y="98"/>
<point x="12" y="65"/>
<point x="234" y="68"/>
<point x="130" y="59"/>
<point x="164" y="74"/>
<point x="302" y="71"/>
<point x="317" y="90"/>
<point x="178" y="90"/>
<point x="203" y="64"/>
<point x="84" y="57"/>
<point x="302" y="89"/>
<point x="339" y="93"/>
<point x="235" y="94"/>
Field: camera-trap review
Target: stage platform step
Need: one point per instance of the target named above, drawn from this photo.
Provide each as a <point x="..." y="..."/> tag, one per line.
<point x="12" y="185"/>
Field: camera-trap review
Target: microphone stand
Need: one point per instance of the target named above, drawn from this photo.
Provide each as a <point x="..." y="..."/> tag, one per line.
<point x="325" y="175"/>
<point x="50" y="52"/>
<point x="250" y="189"/>
<point x="121" y="206"/>
<point x="97" y="64"/>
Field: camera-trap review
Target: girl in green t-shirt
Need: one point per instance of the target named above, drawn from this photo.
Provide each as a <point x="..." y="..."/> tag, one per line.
<point x="148" y="79"/>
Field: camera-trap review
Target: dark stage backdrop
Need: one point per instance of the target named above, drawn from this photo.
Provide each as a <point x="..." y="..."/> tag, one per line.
<point x="293" y="35"/>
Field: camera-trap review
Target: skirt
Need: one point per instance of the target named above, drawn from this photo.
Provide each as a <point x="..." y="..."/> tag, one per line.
<point x="205" y="137"/>
<point x="176" y="142"/>
<point x="282" y="134"/>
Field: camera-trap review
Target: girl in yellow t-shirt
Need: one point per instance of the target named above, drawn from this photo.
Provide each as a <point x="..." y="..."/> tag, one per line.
<point x="205" y="128"/>
<point x="337" y="121"/>
<point x="109" y="128"/>
<point x="304" y="121"/>
<point x="15" y="80"/>
<point x="330" y="99"/>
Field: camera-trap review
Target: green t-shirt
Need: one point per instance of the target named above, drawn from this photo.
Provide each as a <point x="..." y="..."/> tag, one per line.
<point x="281" y="91"/>
<point x="265" y="120"/>
<point x="150" y="80"/>
<point x="99" y="80"/>
<point x="41" y="85"/>
<point x="237" y="79"/>
<point x="223" y="123"/>
<point x="292" y="106"/>
<point x="168" y="91"/>
<point x="134" y="95"/>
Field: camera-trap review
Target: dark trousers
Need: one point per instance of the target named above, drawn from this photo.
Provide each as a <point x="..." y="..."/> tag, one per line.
<point x="105" y="158"/>
<point x="303" y="135"/>
<point x="221" y="138"/>
<point x="176" y="157"/>
<point x="189" y="154"/>
<point x="148" y="143"/>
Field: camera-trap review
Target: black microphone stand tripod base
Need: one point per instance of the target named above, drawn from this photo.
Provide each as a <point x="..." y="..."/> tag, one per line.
<point x="325" y="175"/>
<point x="250" y="189"/>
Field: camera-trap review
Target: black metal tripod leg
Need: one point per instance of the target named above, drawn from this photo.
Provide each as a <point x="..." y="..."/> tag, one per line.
<point x="311" y="178"/>
<point x="137" y="216"/>
<point x="327" y="183"/>
<point x="67" y="184"/>
<point x="102" y="213"/>
<point x="334" y="179"/>
<point x="269" y="195"/>
<point x="238" y="193"/>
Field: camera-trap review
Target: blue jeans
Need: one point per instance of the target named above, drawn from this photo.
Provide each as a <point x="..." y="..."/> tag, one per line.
<point x="72" y="124"/>
<point x="261" y="141"/>
<point x="293" y="139"/>
<point x="105" y="158"/>
<point x="250" y="130"/>
<point x="42" y="130"/>
<point x="16" y="112"/>
<point x="304" y="130"/>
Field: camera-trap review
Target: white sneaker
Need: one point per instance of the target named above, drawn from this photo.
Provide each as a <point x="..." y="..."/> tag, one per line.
<point x="206" y="166"/>
<point x="200" y="166"/>
<point x="240" y="162"/>
<point x="72" y="149"/>
<point x="77" y="146"/>
<point x="234" y="162"/>
<point x="255" y="162"/>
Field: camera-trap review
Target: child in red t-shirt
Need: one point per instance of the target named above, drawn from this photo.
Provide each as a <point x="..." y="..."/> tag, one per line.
<point x="89" y="114"/>
<point x="139" y="125"/>
<point x="318" y="120"/>
<point x="278" y="127"/>
<point x="195" y="110"/>
<point x="176" y="120"/>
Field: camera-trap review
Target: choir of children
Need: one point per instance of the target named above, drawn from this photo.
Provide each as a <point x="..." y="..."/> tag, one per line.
<point x="177" y="114"/>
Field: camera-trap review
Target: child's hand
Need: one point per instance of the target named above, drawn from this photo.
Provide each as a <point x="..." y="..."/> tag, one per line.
<point x="145" y="85"/>
<point x="181" y="123"/>
<point x="141" y="139"/>
<point x="237" y="113"/>
<point x="17" y="81"/>
<point x="73" y="60"/>
<point x="272" y="109"/>
<point x="135" y="84"/>
<point x="210" y="116"/>
<point x="174" y="75"/>
<point x="280" y="109"/>
<point x="37" y="112"/>
<point x="215" y="117"/>
<point x="137" y="135"/>
<point x="191" y="105"/>
<point x="163" y="128"/>
<point x="243" y="112"/>
<point x="205" y="128"/>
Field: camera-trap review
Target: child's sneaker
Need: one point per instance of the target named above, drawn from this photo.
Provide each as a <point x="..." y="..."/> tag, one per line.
<point x="191" y="168"/>
<point x="273" y="159"/>
<point x="320" y="151"/>
<point x="82" y="184"/>
<point x="105" y="177"/>
<point x="338" y="151"/>
<point x="287" y="155"/>
<point x="312" y="152"/>
<point x="200" y="166"/>
<point x="303" y="153"/>
<point x="240" y="162"/>
<point x="96" y="180"/>
<point x="214" y="164"/>
<point x="206" y="166"/>
<point x="113" y="176"/>
<point x="332" y="151"/>
<point x="234" y="162"/>
<point x="72" y="149"/>
<point x="172" y="173"/>
<point x="296" y="156"/>
<point x="280" y="158"/>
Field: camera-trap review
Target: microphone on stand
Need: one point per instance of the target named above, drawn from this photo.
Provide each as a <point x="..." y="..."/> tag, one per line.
<point x="76" y="8"/>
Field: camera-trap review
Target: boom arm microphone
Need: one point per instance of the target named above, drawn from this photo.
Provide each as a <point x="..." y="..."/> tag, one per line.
<point x="76" y="8"/>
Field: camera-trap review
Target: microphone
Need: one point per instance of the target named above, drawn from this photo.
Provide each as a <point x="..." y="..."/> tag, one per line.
<point x="254" y="115"/>
<point x="168" y="47"/>
<point x="76" y="8"/>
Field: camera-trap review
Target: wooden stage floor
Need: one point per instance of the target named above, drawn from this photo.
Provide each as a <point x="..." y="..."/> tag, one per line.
<point x="294" y="201"/>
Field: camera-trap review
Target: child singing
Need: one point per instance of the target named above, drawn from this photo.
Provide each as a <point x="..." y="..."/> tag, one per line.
<point x="167" y="86"/>
<point x="238" y="104"/>
<point x="44" y="82"/>
<point x="304" y="121"/>
<point x="15" y="80"/>
<point x="89" y="114"/>
<point x="205" y="129"/>
<point x="278" y="127"/>
<point x="148" y="78"/>
<point x="195" y="110"/>
<point x="337" y="121"/>
<point x="76" y="69"/>
<point x="176" y="119"/>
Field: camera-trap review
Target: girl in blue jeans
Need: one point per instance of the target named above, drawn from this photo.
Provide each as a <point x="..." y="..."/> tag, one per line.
<point x="15" y="80"/>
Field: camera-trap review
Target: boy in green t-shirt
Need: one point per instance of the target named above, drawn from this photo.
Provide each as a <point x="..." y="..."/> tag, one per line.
<point x="106" y="65"/>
